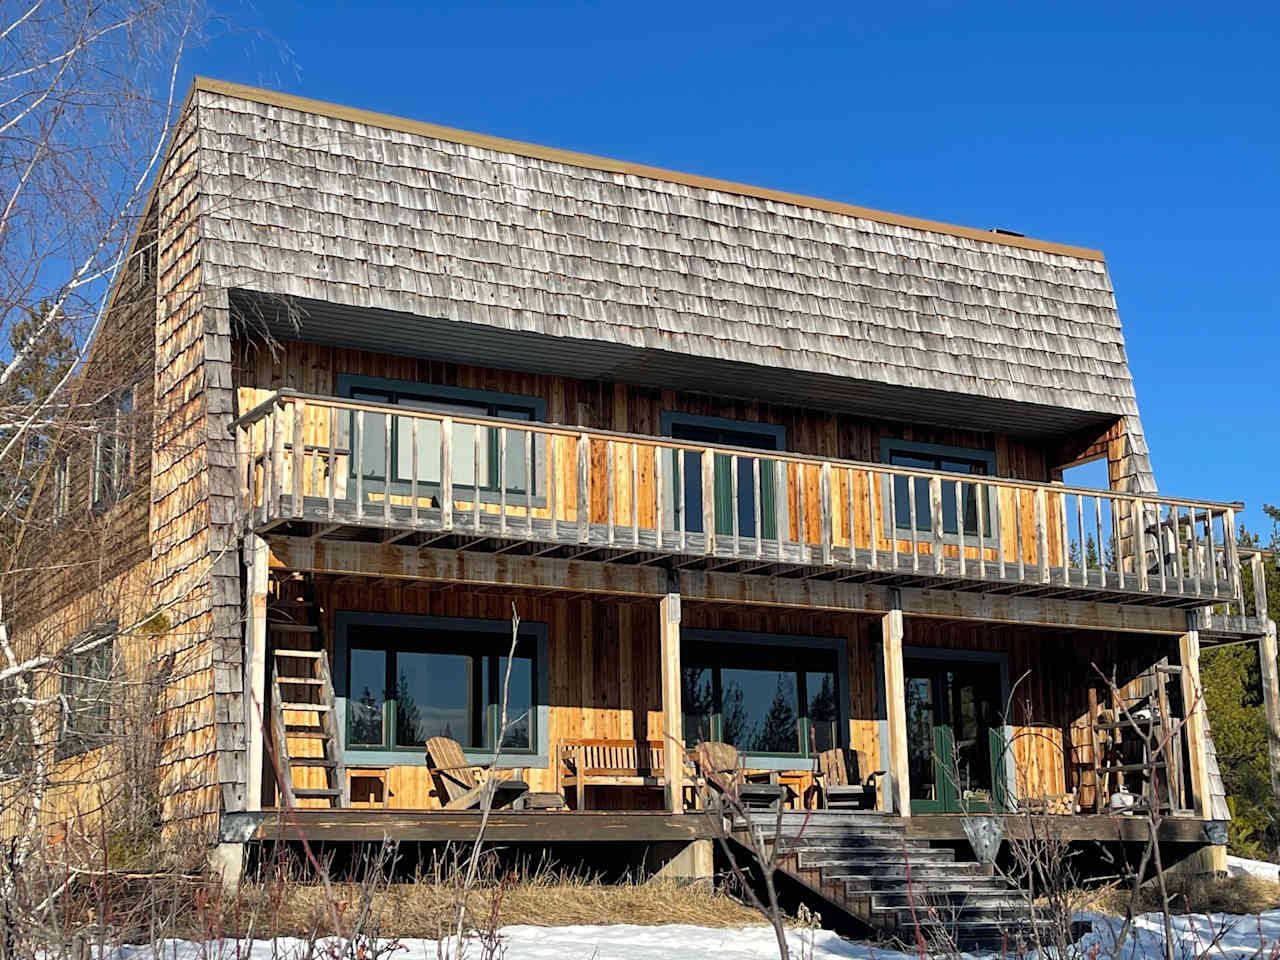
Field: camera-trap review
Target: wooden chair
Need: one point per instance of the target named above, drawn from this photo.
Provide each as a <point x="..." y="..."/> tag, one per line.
<point x="840" y="784"/>
<point x="461" y="783"/>
<point x="720" y="769"/>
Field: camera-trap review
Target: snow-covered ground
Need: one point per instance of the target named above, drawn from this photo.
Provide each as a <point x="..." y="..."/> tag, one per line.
<point x="1240" y="867"/>
<point x="1221" y="936"/>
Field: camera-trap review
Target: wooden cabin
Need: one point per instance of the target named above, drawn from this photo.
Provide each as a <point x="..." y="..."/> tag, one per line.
<point x="748" y="466"/>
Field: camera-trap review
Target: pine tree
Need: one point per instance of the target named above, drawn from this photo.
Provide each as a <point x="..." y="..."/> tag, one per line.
<point x="778" y="731"/>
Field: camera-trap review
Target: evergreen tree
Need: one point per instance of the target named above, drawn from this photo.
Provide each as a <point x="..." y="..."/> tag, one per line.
<point x="778" y="731"/>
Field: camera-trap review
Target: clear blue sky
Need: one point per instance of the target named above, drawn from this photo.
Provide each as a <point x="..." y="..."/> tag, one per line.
<point x="1149" y="130"/>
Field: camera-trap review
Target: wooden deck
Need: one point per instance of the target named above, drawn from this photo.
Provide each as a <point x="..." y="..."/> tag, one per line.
<point x="542" y="827"/>
<point x="315" y="467"/>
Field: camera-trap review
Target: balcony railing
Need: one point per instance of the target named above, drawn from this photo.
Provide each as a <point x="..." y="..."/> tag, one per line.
<point x="320" y="463"/>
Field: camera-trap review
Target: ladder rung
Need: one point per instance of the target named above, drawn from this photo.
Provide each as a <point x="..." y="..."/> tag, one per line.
<point x="293" y="628"/>
<point x="307" y="793"/>
<point x="1132" y="767"/>
<point x="307" y="707"/>
<point x="312" y="762"/>
<point x="304" y="733"/>
<point x="305" y="681"/>
<point x="312" y="654"/>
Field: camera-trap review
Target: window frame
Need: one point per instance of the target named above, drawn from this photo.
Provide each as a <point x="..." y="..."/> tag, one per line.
<point x="670" y="421"/>
<point x="61" y="488"/>
<point x="112" y="482"/>
<point x="74" y="742"/>
<point x="349" y="384"/>
<point x="834" y="646"/>
<point x="536" y="754"/>
<point x="940" y="451"/>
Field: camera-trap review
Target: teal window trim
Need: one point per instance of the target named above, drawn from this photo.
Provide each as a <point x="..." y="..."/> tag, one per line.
<point x="835" y="646"/>
<point x="84" y="688"/>
<point x="387" y="753"/>
<point x="900" y="524"/>
<point x="493" y="402"/>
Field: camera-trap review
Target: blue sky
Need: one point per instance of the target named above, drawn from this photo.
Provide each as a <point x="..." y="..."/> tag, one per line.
<point x="1150" y="131"/>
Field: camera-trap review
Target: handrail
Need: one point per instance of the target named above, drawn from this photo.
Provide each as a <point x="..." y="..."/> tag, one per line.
<point x="309" y="457"/>
<point x="784" y="456"/>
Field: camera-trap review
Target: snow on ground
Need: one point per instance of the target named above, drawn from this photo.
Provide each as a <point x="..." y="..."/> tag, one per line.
<point x="1241" y="867"/>
<point x="1224" y="936"/>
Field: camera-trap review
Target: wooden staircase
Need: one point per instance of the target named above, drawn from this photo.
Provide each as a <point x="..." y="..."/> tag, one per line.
<point x="864" y="865"/>
<point x="304" y="715"/>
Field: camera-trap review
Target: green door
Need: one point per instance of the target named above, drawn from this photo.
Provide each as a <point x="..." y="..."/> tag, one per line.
<point x="953" y="735"/>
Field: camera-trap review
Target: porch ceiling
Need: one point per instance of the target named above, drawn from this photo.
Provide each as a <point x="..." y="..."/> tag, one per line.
<point x="440" y="338"/>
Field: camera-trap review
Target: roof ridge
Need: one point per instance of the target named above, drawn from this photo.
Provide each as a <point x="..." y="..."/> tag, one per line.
<point x="573" y="158"/>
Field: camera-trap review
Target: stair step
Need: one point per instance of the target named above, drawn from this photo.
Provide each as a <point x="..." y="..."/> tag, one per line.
<point x="292" y="627"/>
<point x="307" y="707"/>
<point x="977" y="896"/>
<point x="306" y="733"/>
<point x="309" y="654"/>
<point x="871" y="856"/>
<point x="865" y="885"/>
<point x="303" y="681"/>
<point x="312" y="793"/>
<point x="312" y="762"/>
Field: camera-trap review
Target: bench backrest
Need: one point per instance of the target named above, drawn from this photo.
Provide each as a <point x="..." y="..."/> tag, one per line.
<point x="601" y="757"/>
<point x="831" y="764"/>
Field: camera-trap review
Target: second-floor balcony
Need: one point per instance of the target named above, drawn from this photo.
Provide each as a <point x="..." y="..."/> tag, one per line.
<point x="323" y="466"/>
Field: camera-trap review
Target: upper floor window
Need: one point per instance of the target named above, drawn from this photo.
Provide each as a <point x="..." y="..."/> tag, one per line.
<point x="113" y="448"/>
<point x="937" y="458"/>
<point x="61" y="488"/>
<point x="475" y="452"/>
<point x="85" y="691"/>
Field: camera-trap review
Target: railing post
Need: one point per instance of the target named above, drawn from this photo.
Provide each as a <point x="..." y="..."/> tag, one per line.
<point x="1193" y="708"/>
<point x="277" y="460"/>
<point x="826" y="513"/>
<point x="584" y="487"/>
<point x="446" y="473"/>
<point x="1233" y="556"/>
<point x="1258" y="567"/>
<point x="299" y="454"/>
<point x="935" y="517"/>
<point x="1042" y="535"/>
<point x="1138" y="521"/>
<point x="672" y="711"/>
<point x="891" y="632"/>
<point x="709" y="499"/>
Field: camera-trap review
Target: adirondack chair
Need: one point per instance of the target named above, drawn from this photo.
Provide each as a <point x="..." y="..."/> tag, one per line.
<point x="720" y="769"/>
<point x="462" y="782"/>
<point x="840" y="784"/>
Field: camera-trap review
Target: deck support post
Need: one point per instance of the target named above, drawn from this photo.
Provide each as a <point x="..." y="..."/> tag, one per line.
<point x="255" y="665"/>
<point x="672" y="714"/>
<point x="1271" y="699"/>
<point x="896" y="707"/>
<point x="1194" y="711"/>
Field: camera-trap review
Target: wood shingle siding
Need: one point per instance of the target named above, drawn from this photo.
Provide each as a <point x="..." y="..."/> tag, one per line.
<point x="321" y="206"/>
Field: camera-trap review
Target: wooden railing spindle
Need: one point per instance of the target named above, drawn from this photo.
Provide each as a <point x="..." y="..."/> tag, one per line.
<point x="584" y="487"/>
<point x="756" y="499"/>
<point x="824" y="496"/>
<point x="959" y="495"/>
<point x="935" y="517"/>
<point x="915" y="523"/>
<point x="386" y="470"/>
<point x="733" y="498"/>
<point x="1042" y="535"/>
<point x="1138" y="514"/>
<point x="413" y="472"/>
<point x="709" y="499"/>
<point x="446" y="473"/>
<point x="332" y="480"/>
<point x="980" y="508"/>
<point x="529" y="449"/>
<point x="873" y="527"/>
<point x="610" y="517"/>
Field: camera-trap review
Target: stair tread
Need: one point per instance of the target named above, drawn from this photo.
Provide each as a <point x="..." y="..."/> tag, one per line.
<point x="311" y="654"/>
<point x="306" y="681"/>
<point x="310" y="792"/>
<point x="312" y="762"/>
<point x="281" y="627"/>
<point x="306" y="707"/>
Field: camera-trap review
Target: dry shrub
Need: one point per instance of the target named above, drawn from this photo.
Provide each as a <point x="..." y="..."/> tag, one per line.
<point x="1195" y="894"/>
<point x="425" y="906"/>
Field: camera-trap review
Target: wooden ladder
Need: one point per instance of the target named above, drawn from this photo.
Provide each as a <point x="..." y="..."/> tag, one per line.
<point x="301" y="685"/>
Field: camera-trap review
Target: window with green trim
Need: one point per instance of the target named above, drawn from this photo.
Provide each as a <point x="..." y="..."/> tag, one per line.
<point x="85" y="691"/>
<point x="771" y="699"/>
<point x="406" y="685"/>
<point x="940" y="459"/>
<point x="714" y="431"/>
<point x="476" y="449"/>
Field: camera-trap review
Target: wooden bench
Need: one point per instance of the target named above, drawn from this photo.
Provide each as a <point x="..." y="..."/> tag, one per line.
<point x="608" y="763"/>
